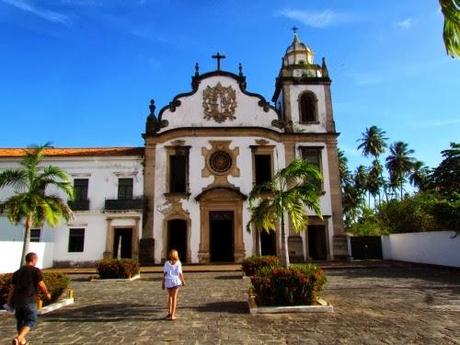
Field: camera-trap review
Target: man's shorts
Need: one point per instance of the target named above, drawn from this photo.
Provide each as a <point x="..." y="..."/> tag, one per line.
<point x="26" y="316"/>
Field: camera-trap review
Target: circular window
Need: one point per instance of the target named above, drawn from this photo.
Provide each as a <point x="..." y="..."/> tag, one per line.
<point x="220" y="161"/>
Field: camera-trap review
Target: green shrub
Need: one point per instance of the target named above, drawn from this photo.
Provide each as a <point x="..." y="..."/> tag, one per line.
<point x="252" y="264"/>
<point x="300" y="284"/>
<point x="113" y="268"/>
<point x="56" y="283"/>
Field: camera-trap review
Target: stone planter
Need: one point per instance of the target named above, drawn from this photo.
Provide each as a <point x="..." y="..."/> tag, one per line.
<point x="97" y="279"/>
<point x="321" y="306"/>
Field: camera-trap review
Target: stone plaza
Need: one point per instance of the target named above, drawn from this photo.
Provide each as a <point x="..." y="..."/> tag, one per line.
<point x="389" y="304"/>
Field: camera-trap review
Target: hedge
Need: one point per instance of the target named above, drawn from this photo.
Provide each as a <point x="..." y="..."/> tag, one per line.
<point x="300" y="284"/>
<point x="113" y="268"/>
<point x="56" y="283"/>
<point x="252" y="264"/>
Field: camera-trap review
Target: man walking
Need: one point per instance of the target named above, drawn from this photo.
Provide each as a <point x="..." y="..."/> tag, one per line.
<point x="22" y="292"/>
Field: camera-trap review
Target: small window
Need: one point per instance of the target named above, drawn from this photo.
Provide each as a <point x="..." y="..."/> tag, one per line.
<point x="81" y="189"/>
<point x="35" y="235"/>
<point x="308" y="107"/>
<point x="178" y="173"/>
<point x="263" y="167"/>
<point x="125" y="189"/>
<point x="76" y="240"/>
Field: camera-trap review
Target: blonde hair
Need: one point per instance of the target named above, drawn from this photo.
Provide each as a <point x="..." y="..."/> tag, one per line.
<point x="173" y="255"/>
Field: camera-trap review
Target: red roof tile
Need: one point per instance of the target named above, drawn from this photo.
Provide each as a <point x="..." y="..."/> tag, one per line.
<point x="77" y="152"/>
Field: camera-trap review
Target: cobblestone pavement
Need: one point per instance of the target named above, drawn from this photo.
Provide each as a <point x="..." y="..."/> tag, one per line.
<point x="397" y="305"/>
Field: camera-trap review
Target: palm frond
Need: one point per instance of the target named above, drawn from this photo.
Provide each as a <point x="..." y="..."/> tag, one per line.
<point x="451" y="33"/>
<point x="15" y="178"/>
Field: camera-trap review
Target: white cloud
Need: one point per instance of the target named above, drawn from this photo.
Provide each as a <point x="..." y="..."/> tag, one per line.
<point x="317" y="19"/>
<point x="42" y="13"/>
<point x="405" y="24"/>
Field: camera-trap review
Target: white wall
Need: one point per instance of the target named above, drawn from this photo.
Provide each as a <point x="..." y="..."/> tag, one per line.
<point x="103" y="174"/>
<point x="11" y="255"/>
<point x="436" y="248"/>
<point x="190" y="113"/>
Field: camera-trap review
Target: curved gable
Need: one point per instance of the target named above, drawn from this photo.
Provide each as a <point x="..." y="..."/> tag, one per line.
<point x="219" y="99"/>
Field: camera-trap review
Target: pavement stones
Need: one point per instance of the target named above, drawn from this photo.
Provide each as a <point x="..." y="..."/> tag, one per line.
<point x="387" y="305"/>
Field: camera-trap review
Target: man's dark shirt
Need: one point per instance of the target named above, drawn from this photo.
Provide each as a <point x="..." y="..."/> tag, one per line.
<point x="26" y="281"/>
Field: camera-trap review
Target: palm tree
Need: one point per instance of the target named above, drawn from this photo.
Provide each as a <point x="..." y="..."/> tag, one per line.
<point x="292" y="190"/>
<point x="451" y="34"/>
<point x="373" y="142"/>
<point x="344" y="172"/>
<point x="419" y="175"/>
<point x="352" y="203"/>
<point x="361" y="178"/>
<point x="375" y="180"/>
<point x="399" y="164"/>
<point x="31" y="203"/>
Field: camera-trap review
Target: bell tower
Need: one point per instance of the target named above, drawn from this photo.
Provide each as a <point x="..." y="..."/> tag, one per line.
<point x="303" y="97"/>
<point x="302" y="90"/>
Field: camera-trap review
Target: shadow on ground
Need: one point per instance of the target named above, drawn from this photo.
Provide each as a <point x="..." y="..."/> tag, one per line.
<point x="107" y="313"/>
<point x="231" y="307"/>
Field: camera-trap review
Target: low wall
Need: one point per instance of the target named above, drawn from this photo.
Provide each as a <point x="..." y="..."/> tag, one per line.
<point x="11" y="254"/>
<point x="436" y="248"/>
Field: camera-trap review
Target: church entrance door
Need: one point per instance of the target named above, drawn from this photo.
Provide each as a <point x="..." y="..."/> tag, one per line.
<point x="177" y="237"/>
<point x="221" y="236"/>
<point x="122" y="243"/>
<point x="268" y="243"/>
<point x="317" y="249"/>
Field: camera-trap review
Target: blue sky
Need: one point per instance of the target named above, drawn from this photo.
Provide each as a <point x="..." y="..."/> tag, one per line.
<point x="81" y="72"/>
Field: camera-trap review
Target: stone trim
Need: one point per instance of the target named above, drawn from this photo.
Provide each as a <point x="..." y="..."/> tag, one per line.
<point x="220" y="178"/>
<point x="177" y="212"/>
<point x="182" y="151"/>
<point x="108" y="254"/>
<point x="221" y="200"/>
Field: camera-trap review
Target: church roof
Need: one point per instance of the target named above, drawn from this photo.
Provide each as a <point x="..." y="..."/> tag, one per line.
<point x="76" y="152"/>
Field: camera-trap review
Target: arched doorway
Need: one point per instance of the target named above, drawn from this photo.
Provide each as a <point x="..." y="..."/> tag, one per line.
<point x="221" y="233"/>
<point x="177" y="237"/>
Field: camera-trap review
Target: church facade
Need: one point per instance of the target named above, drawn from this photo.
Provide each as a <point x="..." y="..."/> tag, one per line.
<point x="203" y="154"/>
<point x="206" y="150"/>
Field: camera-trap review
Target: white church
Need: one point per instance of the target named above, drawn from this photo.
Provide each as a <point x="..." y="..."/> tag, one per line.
<point x="187" y="188"/>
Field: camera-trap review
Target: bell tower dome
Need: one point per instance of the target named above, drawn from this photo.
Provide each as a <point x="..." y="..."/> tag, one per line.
<point x="302" y="90"/>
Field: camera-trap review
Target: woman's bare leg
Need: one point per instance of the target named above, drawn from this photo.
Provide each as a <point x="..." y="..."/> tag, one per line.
<point x="174" y="302"/>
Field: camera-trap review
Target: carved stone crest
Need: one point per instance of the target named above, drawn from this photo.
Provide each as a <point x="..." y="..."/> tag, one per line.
<point x="219" y="103"/>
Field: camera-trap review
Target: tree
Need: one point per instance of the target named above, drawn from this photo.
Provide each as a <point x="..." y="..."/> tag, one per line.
<point x="451" y="34"/>
<point x="352" y="203"/>
<point x="32" y="203"/>
<point x="292" y="190"/>
<point x="399" y="163"/>
<point x="344" y="172"/>
<point x="375" y="180"/>
<point x="419" y="176"/>
<point x="446" y="177"/>
<point x="373" y="142"/>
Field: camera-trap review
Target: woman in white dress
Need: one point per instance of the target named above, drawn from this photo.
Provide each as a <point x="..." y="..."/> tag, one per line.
<point x="173" y="278"/>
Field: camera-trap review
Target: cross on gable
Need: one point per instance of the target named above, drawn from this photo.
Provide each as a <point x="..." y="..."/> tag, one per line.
<point x="218" y="57"/>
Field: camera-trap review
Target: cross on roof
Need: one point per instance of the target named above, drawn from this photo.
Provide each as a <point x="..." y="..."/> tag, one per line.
<point x="218" y="57"/>
<point x="295" y="29"/>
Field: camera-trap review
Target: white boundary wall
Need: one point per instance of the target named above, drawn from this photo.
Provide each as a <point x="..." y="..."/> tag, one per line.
<point x="11" y="255"/>
<point x="436" y="248"/>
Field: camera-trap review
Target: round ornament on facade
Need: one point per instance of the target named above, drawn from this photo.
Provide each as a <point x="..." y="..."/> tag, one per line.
<point x="220" y="162"/>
